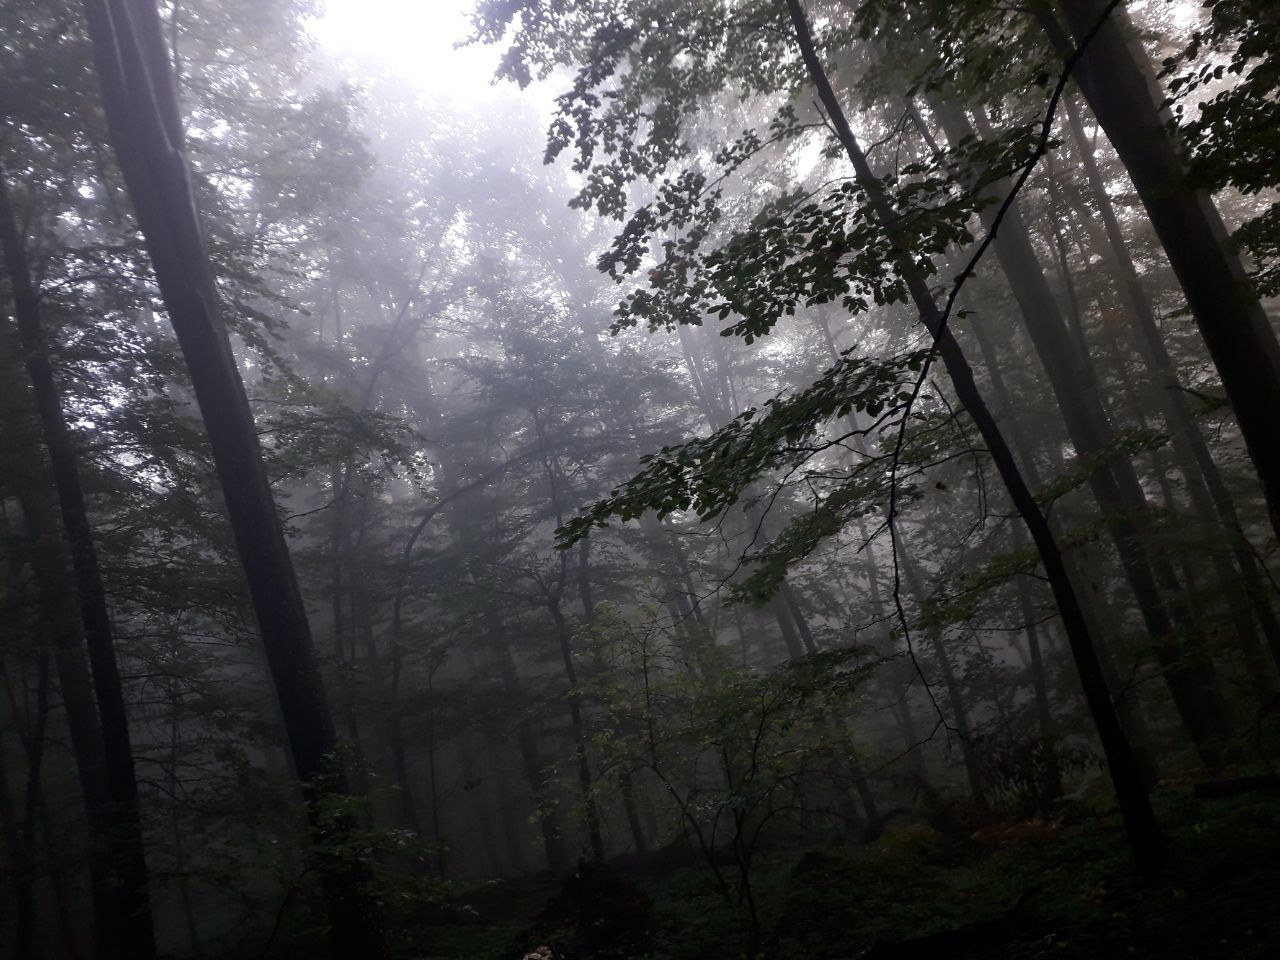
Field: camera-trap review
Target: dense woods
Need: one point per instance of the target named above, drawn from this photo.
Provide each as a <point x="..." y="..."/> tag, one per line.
<point x="727" y="478"/>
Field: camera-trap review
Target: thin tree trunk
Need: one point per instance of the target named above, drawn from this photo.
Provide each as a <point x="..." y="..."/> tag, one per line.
<point x="126" y="924"/>
<point x="553" y="596"/>
<point x="626" y="781"/>
<point x="179" y="854"/>
<point x="1131" y="719"/>
<point x="686" y="618"/>
<point x="1143" y="830"/>
<point x="530" y="757"/>
<point x="627" y="787"/>
<point x="1205" y="486"/>
<point x="1039" y="681"/>
<point x="21" y="873"/>
<point x="955" y="696"/>
<point x="788" y="594"/>
<point x="1116" y="487"/>
<point x="786" y="626"/>
<point x="22" y="839"/>
<point x="594" y="836"/>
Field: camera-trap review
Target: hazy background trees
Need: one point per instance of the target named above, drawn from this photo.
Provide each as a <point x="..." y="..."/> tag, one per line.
<point x="856" y="587"/>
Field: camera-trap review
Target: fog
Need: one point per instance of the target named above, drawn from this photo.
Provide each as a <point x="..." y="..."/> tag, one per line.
<point x="549" y="480"/>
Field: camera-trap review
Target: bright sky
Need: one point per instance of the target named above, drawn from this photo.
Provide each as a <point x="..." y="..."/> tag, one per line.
<point x="413" y="38"/>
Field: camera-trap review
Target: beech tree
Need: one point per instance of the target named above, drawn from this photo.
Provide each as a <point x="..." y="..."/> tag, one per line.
<point x="104" y="753"/>
<point x="147" y="132"/>
<point x="1124" y="95"/>
<point x="694" y="476"/>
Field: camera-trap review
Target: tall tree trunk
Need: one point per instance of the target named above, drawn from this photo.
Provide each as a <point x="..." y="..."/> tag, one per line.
<point x="343" y="617"/>
<point x="194" y="948"/>
<point x="786" y="626"/>
<point x="590" y="809"/>
<point x="553" y="594"/>
<point x="1125" y="97"/>
<point x="58" y="621"/>
<point x="1052" y="785"/>
<point x="1143" y="830"/>
<point x="21" y="873"/>
<point x="136" y="82"/>
<point x="1130" y="717"/>
<point x="1116" y="487"/>
<point x="1205" y="485"/>
<point x="626" y="780"/>
<point x="20" y="838"/>
<point x="904" y="720"/>
<point x="530" y="757"/>
<point x="687" y="619"/>
<point x="125" y="925"/>
<point x="788" y="594"/>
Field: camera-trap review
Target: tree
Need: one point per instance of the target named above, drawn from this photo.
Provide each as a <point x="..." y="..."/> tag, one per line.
<point x="1124" y="95"/>
<point x="142" y="113"/>
<point x="746" y="272"/>
<point x="122" y="912"/>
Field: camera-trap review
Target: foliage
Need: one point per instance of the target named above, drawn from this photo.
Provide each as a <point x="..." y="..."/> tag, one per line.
<point x="1232" y="130"/>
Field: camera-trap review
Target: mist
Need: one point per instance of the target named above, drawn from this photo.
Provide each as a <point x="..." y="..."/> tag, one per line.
<point x="528" y="480"/>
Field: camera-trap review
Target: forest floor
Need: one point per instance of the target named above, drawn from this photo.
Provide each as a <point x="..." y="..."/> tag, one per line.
<point x="1068" y="892"/>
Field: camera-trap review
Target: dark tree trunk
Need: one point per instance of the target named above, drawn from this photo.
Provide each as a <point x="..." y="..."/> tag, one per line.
<point x="1039" y="683"/>
<point x="21" y="873"/>
<point x="585" y="785"/>
<point x="19" y="837"/>
<point x="786" y="626"/>
<point x="135" y="78"/>
<point x="553" y="594"/>
<point x="1125" y="97"/>
<point x="1144" y="832"/>
<point x="686" y="618"/>
<point x="53" y="585"/>
<point x="630" y="806"/>
<point x="125" y="924"/>
<point x="531" y="762"/>
<point x="1117" y="487"/>
<point x="626" y="780"/>
<point x="788" y="594"/>
<point x="1130" y="718"/>
<point x="1208" y="491"/>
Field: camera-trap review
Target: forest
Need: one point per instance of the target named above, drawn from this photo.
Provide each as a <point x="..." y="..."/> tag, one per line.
<point x="675" y="479"/>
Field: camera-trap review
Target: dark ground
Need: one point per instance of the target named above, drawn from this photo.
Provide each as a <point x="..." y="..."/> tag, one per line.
<point x="1066" y="893"/>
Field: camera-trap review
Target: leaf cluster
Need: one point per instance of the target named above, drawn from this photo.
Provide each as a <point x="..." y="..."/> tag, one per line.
<point x="708" y="475"/>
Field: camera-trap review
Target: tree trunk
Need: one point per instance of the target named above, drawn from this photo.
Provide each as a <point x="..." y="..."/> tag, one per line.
<point x="788" y="594"/>
<point x="591" y="813"/>
<point x="626" y="780"/>
<point x="1211" y="496"/>
<point x="686" y="618"/>
<point x="1125" y="97"/>
<point x="532" y="766"/>
<point x="786" y="626"/>
<point x="20" y="838"/>
<point x="136" y="83"/>
<point x="1116" y="487"/>
<point x="125" y="924"/>
<point x="1144" y="832"/>
<point x="1039" y="682"/>
<point x="1130" y="717"/>
<point x="955" y="696"/>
